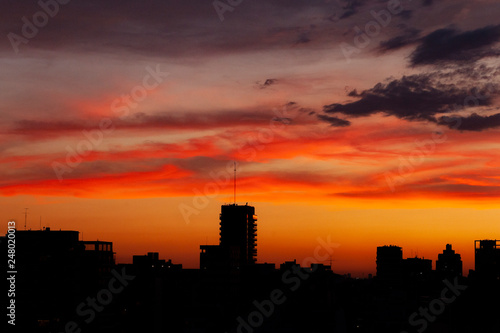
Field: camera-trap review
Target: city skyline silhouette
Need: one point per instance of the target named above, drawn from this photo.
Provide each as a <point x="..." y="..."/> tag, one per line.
<point x="57" y="270"/>
<point x="367" y="121"/>
<point x="236" y="166"/>
<point x="364" y="272"/>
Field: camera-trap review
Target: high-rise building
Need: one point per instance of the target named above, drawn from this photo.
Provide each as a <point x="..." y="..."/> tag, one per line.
<point x="487" y="258"/>
<point x="389" y="262"/>
<point x="238" y="239"/>
<point x="449" y="263"/>
<point x="238" y="233"/>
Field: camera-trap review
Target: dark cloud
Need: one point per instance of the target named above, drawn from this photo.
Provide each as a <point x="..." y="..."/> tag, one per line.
<point x="353" y="93"/>
<point x="413" y="97"/>
<point x="473" y="122"/>
<point x="283" y="120"/>
<point x="446" y="45"/>
<point x="450" y="45"/>
<point x="465" y="74"/>
<point x="419" y="97"/>
<point x="410" y="36"/>
<point x="350" y="7"/>
<point x="267" y="83"/>
<point x="334" y="121"/>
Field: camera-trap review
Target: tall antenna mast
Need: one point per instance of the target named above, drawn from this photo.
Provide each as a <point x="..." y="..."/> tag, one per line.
<point x="235" y="183"/>
<point x="25" y="217"/>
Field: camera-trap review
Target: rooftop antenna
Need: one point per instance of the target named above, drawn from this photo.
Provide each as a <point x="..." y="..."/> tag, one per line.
<point x="25" y="217"/>
<point x="40" y="222"/>
<point x="234" y="197"/>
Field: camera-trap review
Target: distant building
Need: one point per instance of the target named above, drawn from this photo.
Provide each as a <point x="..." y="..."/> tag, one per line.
<point x="419" y="268"/>
<point x="152" y="262"/>
<point x="289" y="265"/>
<point x="392" y="266"/>
<point x="487" y="258"/>
<point x="238" y="239"/>
<point x="389" y="262"/>
<point x="294" y="266"/>
<point x="449" y="263"/>
<point x="149" y="260"/>
<point x="320" y="267"/>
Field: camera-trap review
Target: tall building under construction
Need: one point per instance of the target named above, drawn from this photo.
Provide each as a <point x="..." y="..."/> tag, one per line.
<point x="238" y="239"/>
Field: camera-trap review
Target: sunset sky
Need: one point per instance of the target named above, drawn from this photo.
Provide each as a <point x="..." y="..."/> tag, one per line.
<point x="369" y="122"/>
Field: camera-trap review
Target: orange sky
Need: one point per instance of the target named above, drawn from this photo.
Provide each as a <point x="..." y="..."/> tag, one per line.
<point x="286" y="230"/>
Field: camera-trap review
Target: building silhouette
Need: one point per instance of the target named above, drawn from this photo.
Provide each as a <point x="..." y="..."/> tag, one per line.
<point x="389" y="262"/>
<point x="237" y="242"/>
<point x="449" y="263"/>
<point x="487" y="258"/>
<point x="152" y="262"/>
<point x="238" y="232"/>
<point x="391" y="265"/>
<point x="56" y="271"/>
<point x="98" y="259"/>
<point x="419" y="268"/>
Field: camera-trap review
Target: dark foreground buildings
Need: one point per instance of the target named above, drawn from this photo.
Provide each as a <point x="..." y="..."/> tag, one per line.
<point x="67" y="285"/>
<point x="408" y="296"/>
<point x="55" y="272"/>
